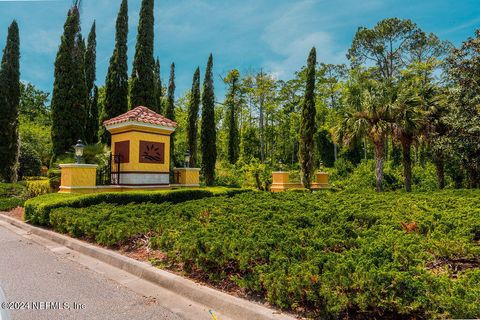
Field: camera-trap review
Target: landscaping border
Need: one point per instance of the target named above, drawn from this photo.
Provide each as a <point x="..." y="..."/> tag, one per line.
<point x="233" y="307"/>
<point x="37" y="210"/>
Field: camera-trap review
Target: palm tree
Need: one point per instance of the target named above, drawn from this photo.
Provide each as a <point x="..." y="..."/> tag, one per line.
<point x="408" y="122"/>
<point x="370" y="118"/>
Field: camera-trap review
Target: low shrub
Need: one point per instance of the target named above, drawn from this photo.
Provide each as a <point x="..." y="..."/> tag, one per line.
<point x="12" y="195"/>
<point x="37" y="187"/>
<point x="333" y="255"/>
<point x="12" y="190"/>
<point x="7" y="204"/>
<point x="37" y="210"/>
<point x="54" y="176"/>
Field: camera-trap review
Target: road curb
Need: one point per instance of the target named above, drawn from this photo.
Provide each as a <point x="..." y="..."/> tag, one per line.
<point x="232" y="307"/>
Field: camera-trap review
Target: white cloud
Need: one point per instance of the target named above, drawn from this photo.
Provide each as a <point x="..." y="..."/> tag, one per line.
<point x="291" y="36"/>
<point x="43" y="41"/>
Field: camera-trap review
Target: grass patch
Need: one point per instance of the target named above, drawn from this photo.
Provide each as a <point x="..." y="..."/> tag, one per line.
<point x="329" y="255"/>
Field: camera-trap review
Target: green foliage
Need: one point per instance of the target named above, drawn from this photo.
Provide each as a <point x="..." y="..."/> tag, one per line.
<point x="29" y="161"/>
<point x="37" y="187"/>
<point x="388" y="44"/>
<point x="158" y="89"/>
<point x="11" y="190"/>
<point x="463" y="117"/>
<point x="12" y="195"/>
<point x="252" y="174"/>
<point x="37" y="210"/>
<point x="231" y="102"/>
<point x="116" y="82"/>
<point x="192" y="125"/>
<point x="324" y="146"/>
<point x="37" y="137"/>
<point x="91" y="130"/>
<point x="54" y="177"/>
<point x="170" y="112"/>
<point x="9" y="101"/>
<point x="69" y="98"/>
<point x="332" y="255"/>
<point x="33" y="105"/>
<point x="142" y="92"/>
<point x="7" y="204"/>
<point x="307" y="128"/>
<point x="208" y="130"/>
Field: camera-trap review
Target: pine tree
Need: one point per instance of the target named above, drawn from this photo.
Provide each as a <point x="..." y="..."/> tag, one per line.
<point x="91" y="131"/>
<point x="143" y="79"/>
<point x="208" y="129"/>
<point x="69" y="96"/>
<point x="231" y="101"/>
<point x="158" y="89"/>
<point x="170" y="111"/>
<point x="307" y="129"/>
<point x="116" y="82"/>
<point x="192" y="128"/>
<point x="9" y="100"/>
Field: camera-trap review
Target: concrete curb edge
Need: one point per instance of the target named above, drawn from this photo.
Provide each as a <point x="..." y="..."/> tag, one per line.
<point x="233" y="307"/>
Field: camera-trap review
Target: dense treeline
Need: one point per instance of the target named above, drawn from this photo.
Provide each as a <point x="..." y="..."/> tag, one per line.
<point x="406" y="99"/>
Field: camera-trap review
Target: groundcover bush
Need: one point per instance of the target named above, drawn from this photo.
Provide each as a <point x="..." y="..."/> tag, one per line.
<point x="12" y="195"/>
<point x="330" y="255"/>
<point x="37" y="209"/>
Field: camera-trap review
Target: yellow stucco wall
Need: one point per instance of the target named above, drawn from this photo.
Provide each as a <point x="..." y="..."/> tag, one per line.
<point x="135" y="137"/>
<point x="322" y="178"/>
<point x="78" y="176"/>
<point x="280" y="182"/>
<point x="188" y="176"/>
<point x="279" y="177"/>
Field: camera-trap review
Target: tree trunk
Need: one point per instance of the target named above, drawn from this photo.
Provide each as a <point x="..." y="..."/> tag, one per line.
<point x="407" y="164"/>
<point x="257" y="180"/>
<point x="440" y="168"/>
<point x="472" y="178"/>
<point x="379" y="152"/>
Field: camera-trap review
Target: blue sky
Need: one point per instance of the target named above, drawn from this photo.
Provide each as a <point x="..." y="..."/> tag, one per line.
<point x="247" y="35"/>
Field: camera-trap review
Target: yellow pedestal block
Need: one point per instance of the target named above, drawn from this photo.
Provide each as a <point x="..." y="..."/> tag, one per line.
<point x="78" y="178"/>
<point x="280" y="181"/>
<point x="186" y="177"/>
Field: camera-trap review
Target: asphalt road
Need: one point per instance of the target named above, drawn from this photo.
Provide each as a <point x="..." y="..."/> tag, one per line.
<point x="32" y="276"/>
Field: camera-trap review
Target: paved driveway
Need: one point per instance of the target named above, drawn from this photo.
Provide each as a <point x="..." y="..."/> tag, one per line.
<point x="33" y="277"/>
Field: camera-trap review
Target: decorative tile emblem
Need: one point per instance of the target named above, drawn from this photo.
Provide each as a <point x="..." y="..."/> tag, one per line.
<point x="152" y="152"/>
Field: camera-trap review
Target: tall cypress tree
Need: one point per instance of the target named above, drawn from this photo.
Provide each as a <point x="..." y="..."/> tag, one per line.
<point x="69" y="89"/>
<point x="192" y="128"/>
<point x="91" y="131"/>
<point x="116" y="82"/>
<point x="79" y="90"/>
<point x="307" y="129"/>
<point x="231" y="101"/>
<point x="208" y="135"/>
<point x="9" y="100"/>
<point x="158" y="89"/>
<point x="92" y="124"/>
<point x="143" y="79"/>
<point x="170" y="111"/>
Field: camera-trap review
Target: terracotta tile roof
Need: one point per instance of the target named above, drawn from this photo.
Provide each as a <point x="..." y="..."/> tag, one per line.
<point x="142" y="114"/>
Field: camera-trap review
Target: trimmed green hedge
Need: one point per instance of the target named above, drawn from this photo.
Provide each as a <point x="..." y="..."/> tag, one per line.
<point x="37" y="210"/>
<point x="334" y="255"/>
<point x="7" y="204"/>
<point x="12" y="195"/>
